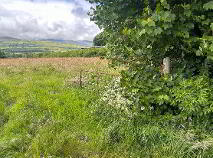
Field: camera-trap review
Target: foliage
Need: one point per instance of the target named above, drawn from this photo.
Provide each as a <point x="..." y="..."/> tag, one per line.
<point x="127" y="134"/>
<point x="100" y="39"/>
<point x="44" y="114"/>
<point x="88" y="52"/>
<point x="2" y="54"/>
<point x="142" y="35"/>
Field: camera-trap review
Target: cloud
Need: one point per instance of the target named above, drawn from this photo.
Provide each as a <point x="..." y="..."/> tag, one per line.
<point x="43" y="19"/>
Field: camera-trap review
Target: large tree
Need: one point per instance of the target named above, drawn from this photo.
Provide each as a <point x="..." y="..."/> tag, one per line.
<point x="165" y="24"/>
<point x="143" y="32"/>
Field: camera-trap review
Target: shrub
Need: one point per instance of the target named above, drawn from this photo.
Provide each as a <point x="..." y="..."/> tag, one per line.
<point x="2" y="54"/>
<point x="139" y="133"/>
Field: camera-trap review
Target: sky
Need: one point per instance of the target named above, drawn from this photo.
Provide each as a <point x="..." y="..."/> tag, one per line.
<point x="46" y="19"/>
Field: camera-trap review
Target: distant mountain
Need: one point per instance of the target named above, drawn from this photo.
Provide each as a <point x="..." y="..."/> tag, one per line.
<point x="79" y="42"/>
<point x="7" y="38"/>
<point x="86" y="42"/>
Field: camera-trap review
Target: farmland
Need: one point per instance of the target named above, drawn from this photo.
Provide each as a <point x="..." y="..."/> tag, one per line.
<point x="36" y="48"/>
<point x="63" y="104"/>
<point x="26" y="46"/>
<point x="146" y="92"/>
<point x="60" y="101"/>
<point x="44" y="112"/>
<point x="40" y="49"/>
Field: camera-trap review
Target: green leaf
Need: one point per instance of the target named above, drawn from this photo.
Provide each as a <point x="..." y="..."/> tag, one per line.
<point x="167" y="16"/>
<point x="165" y="4"/>
<point x="166" y="26"/>
<point x="211" y="26"/>
<point x="143" y="31"/>
<point x="190" y="25"/>
<point x="211" y="47"/>
<point x="206" y="22"/>
<point x="143" y="22"/>
<point x="126" y="31"/>
<point x="150" y="22"/>
<point x="188" y="13"/>
<point x="158" y="31"/>
<point x="208" y="6"/>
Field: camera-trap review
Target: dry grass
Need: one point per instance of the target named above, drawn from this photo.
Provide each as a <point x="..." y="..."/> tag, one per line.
<point x="65" y="64"/>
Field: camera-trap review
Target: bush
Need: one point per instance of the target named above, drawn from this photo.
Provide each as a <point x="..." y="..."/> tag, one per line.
<point x="87" y="52"/>
<point x="2" y="54"/>
<point x="194" y="98"/>
<point x="132" y="133"/>
<point x="100" y="39"/>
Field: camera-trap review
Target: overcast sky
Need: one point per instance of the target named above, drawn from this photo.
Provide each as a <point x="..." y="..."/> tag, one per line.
<point x="46" y="19"/>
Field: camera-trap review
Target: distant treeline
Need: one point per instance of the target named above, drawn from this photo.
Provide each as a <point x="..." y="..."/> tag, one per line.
<point x="88" y="52"/>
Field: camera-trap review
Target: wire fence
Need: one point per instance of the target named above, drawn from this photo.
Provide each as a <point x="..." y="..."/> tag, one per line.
<point x="85" y="77"/>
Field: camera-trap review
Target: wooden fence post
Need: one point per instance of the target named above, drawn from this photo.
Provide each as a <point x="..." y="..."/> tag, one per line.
<point x="80" y="79"/>
<point x="166" y="63"/>
<point x="98" y="78"/>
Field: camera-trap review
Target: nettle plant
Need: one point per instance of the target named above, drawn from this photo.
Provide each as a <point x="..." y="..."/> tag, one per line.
<point x="143" y="32"/>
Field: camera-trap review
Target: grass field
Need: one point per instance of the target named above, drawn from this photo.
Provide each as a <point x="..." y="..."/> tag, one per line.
<point x="68" y="64"/>
<point x="45" y="113"/>
<point x="26" y="46"/>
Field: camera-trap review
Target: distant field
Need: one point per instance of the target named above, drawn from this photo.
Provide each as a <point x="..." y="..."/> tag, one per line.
<point x="41" y="49"/>
<point x="70" y="64"/>
<point x="25" y="46"/>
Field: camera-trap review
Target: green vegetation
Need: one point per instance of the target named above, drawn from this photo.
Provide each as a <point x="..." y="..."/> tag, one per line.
<point x="100" y="39"/>
<point x="39" y="49"/>
<point x="24" y="48"/>
<point x="87" y="52"/>
<point x="44" y="113"/>
<point x="142" y="34"/>
<point x="2" y="54"/>
<point x="139" y="113"/>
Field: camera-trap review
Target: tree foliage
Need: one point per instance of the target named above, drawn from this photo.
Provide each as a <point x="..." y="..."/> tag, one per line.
<point x="142" y="33"/>
<point x="2" y="54"/>
<point x="100" y="39"/>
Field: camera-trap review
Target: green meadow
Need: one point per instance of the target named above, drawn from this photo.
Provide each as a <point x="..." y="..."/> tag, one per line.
<point x="45" y="113"/>
<point x="70" y="104"/>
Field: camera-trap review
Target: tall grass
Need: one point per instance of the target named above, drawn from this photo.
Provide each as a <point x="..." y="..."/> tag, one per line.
<point x="43" y="115"/>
